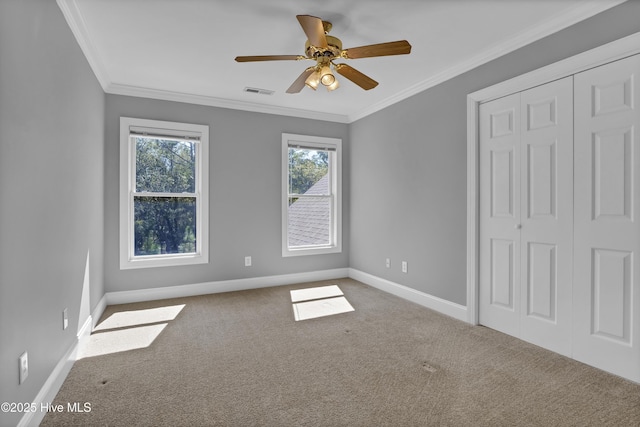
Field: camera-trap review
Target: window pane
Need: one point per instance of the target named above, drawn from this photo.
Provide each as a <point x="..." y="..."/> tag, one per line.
<point x="164" y="225"/>
<point x="308" y="171"/>
<point x="165" y="166"/>
<point x="309" y="221"/>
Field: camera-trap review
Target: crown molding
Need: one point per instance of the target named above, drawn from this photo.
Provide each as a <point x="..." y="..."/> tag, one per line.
<point x="141" y="92"/>
<point x="579" y="13"/>
<point x="525" y="37"/>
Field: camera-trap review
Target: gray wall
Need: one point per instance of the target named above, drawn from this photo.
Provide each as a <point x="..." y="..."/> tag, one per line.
<point x="51" y="192"/>
<point x="408" y="169"/>
<point x="245" y="190"/>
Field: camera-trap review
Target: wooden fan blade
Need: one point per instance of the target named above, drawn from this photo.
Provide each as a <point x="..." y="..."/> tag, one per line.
<point x="365" y="82"/>
<point x="314" y="30"/>
<point x="401" y="47"/>
<point x="269" y="58"/>
<point x="298" y="85"/>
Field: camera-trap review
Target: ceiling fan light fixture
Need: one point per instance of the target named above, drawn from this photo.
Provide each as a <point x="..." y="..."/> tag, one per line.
<point x="333" y="86"/>
<point x="326" y="76"/>
<point x="313" y="80"/>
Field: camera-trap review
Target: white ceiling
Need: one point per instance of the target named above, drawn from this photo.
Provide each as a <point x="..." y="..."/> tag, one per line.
<point x="184" y="50"/>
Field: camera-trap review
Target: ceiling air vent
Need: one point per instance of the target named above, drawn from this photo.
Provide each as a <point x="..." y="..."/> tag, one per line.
<point x="258" y="91"/>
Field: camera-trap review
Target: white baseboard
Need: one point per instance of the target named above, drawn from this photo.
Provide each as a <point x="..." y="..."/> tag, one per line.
<point x="449" y="308"/>
<point x="97" y="312"/>
<point x="125" y="297"/>
<point x="50" y="388"/>
<point x="86" y="328"/>
<point x="52" y="385"/>
<point x="440" y="305"/>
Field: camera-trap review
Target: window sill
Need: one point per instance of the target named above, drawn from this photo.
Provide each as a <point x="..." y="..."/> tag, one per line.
<point x="316" y="250"/>
<point x="163" y="261"/>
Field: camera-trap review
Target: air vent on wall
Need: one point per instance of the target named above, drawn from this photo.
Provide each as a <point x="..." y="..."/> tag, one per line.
<point x="258" y="91"/>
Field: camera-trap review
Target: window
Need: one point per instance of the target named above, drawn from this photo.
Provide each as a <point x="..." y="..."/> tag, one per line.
<point x="311" y="199"/>
<point x="163" y="193"/>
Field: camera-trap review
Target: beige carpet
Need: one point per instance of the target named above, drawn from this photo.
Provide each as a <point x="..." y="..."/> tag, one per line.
<point x="240" y="359"/>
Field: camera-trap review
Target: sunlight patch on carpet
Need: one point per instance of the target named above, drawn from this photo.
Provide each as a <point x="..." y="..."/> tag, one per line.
<point x="315" y="293"/>
<point x="120" y="340"/>
<point x="320" y="308"/>
<point x="125" y="319"/>
<point x="317" y="302"/>
<point x="128" y="330"/>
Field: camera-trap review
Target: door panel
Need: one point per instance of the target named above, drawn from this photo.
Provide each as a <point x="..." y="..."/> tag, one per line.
<point x="547" y="215"/>
<point x="612" y="173"/>
<point x="542" y="179"/>
<point x="611" y="290"/>
<point x="499" y="238"/>
<point x="607" y="233"/>
<point x="502" y="121"/>
<point x="541" y="113"/>
<point x="541" y="281"/>
<point x="502" y="268"/>
<point x="501" y="176"/>
<point x="612" y="96"/>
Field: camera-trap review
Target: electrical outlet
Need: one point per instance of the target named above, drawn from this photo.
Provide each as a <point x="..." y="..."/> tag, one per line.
<point x="388" y="263"/>
<point x="65" y="319"/>
<point x="247" y="261"/>
<point x="404" y="266"/>
<point x="23" y="367"/>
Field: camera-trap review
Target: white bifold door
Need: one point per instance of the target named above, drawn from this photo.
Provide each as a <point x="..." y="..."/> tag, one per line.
<point x="559" y="239"/>
<point x="526" y="214"/>
<point x="607" y="209"/>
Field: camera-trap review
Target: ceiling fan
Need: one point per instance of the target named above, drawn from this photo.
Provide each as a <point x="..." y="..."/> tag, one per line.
<point x="324" y="49"/>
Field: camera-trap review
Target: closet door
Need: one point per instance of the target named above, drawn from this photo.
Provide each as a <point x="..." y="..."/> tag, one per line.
<point x="547" y="215"/>
<point x="526" y="179"/>
<point x="607" y="233"/>
<point x="499" y="238"/>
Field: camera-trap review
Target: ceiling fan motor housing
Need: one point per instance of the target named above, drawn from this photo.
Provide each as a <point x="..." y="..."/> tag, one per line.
<point x="333" y="50"/>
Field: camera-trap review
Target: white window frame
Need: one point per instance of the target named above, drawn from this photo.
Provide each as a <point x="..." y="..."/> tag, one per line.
<point x="334" y="147"/>
<point x="128" y="189"/>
